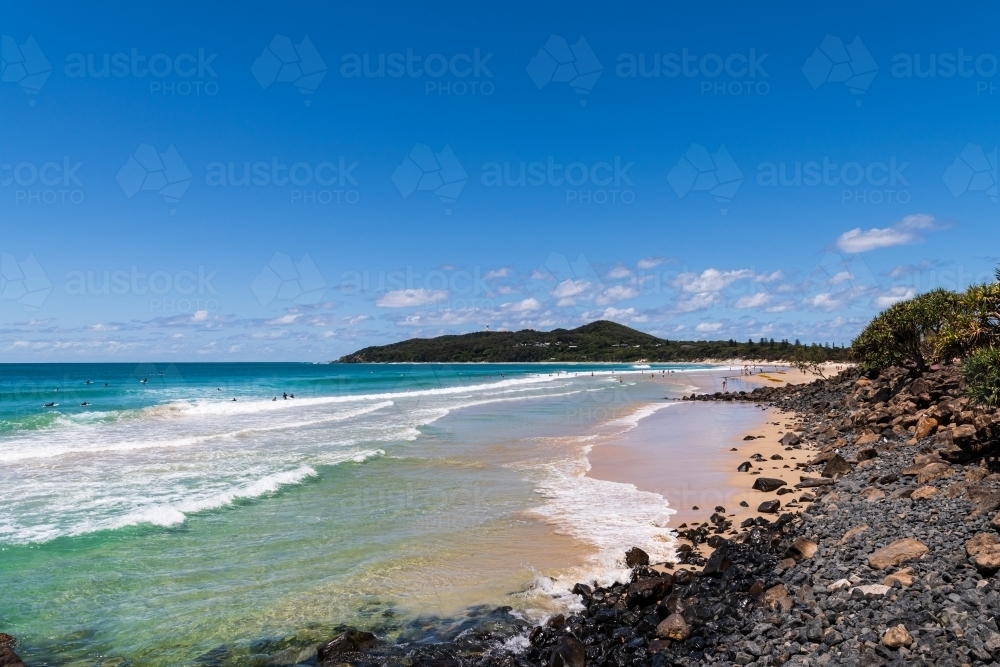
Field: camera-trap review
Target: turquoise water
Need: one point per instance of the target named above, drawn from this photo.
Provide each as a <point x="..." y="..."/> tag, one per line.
<point x="165" y="523"/>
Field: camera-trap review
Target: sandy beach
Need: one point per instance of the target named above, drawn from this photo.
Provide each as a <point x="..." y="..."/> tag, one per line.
<point x="690" y="452"/>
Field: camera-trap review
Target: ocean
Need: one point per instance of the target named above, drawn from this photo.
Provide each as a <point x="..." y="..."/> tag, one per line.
<point x="147" y="518"/>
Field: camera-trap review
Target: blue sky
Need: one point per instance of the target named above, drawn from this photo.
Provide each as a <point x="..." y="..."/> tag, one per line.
<point x="251" y="181"/>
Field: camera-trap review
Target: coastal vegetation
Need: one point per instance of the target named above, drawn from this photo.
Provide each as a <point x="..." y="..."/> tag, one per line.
<point x="600" y="341"/>
<point x="940" y="326"/>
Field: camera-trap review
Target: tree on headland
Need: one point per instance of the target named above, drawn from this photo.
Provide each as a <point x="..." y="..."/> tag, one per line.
<point x="938" y="327"/>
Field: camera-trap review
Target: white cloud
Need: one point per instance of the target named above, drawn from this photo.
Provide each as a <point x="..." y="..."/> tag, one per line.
<point x="649" y="262"/>
<point x="841" y="277"/>
<point x="903" y="232"/>
<point x="618" y="272"/>
<point x="782" y="307"/>
<point x="405" y="298"/>
<point x="285" y="319"/>
<point x="770" y="277"/>
<point x="894" y="295"/>
<point x="616" y="293"/>
<point x="708" y="327"/>
<point x="498" y="273"/>
<point x="827" y="301"/>
<point x="620" y="314"/>
<point x="754" y="300"/>
<point x="710" y="280"/>
<point x="698" y="301"/>
<point x="526" y="306"/>
<point x="570" y="288"/>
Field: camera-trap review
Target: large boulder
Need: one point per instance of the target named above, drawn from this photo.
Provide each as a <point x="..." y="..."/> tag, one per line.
<point x="767" y="484"/>
<point x="988" y="559"/>
<point x="790" y="439"/>
<point x="979" y="542"/>
<point x="802" y="548"/>
<point x="934" y="471"/>
<point x="925" y="427"/>
<point x="836" y="467"/>
<point x="673" y="627"/>
<point x="8" y="658"/>
<point x="769" y="507"/>
<point x="636" y="557"/>
<point x="568" y="652"/>
<point x="649" y="590"/>
<point x="897" y="553"/>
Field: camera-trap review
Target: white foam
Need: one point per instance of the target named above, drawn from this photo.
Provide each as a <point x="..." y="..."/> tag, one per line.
<point x="32" y="448"/>
<point x="205" y="407"/>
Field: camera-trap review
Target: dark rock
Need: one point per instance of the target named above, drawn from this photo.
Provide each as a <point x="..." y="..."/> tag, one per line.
<point x="744" y="467"/>
<point x="8" y="658"/>
<point x="350" y="641"/>
<point x="790" y="440"/>
<point x="636" y="557"/>
<point x="813" y="482"/>
<point x="767" y="484"/>
<point x="649" y="590"/>
<point x="769" y="507"/>
<point x="836" y="467"/>
<point x="568" y="652"/>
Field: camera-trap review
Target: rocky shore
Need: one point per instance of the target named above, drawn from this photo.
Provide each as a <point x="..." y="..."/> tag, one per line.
<point x="882" y="549"/>
<point x="889" y="560"/>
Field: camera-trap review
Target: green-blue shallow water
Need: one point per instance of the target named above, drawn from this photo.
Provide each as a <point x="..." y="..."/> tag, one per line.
<point x="164" y="523"/>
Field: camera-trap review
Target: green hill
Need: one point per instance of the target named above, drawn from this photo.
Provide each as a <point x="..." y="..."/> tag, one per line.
<point x="597" y="341"/>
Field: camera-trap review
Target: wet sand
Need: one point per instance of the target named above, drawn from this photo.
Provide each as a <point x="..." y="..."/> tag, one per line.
<point x="689" y="453"/>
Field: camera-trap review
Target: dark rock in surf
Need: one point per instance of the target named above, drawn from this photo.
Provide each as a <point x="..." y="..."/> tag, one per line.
<point x="8" y="658"/>
<point x="636" y="557"/>
<point x="347" y="642"/>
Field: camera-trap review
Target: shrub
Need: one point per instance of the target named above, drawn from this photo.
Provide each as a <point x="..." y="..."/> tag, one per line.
<point x="905" y="332"/>
<point x="975" y="322"/>
<point x="981" y="371"/>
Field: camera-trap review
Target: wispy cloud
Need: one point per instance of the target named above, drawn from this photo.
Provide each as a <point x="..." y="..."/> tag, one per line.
<point x="893" y="295"/>
<point x="904" y="232"/>
<point x="753" y="300"/>
<point x="407" y="298"/>
<point x="650" y="262"/>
